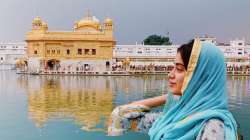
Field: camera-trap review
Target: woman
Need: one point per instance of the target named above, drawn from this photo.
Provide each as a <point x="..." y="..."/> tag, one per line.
<point x="200" y="112"/>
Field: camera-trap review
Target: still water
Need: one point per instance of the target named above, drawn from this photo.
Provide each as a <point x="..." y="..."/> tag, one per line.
<point x="77" y="108"/>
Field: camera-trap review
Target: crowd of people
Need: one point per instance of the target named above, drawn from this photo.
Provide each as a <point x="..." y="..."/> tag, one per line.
<point x="142" y="68"/>
<point x="238" y="69"/>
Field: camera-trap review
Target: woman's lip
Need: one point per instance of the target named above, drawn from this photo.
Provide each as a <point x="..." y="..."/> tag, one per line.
<point x="171" y="83"/>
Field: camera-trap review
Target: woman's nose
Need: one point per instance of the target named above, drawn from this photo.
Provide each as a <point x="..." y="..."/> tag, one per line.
<point x="171" y="73"/>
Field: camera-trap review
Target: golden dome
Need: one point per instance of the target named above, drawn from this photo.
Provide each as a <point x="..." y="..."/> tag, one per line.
<point x="37" y="20"/>
<point x="109" y="21"/>
<point x="85" y="22"/>
<point x="38" y="24"/>
<point x="88" y="20"/>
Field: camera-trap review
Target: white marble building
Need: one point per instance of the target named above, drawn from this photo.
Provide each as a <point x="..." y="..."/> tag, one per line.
<point x="145" y="54"/>
<point x="237" y="53"/>
<point x="10" y="53"/>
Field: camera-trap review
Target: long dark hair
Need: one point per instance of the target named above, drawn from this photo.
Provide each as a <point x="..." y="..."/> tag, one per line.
<point x="185" y="51"/>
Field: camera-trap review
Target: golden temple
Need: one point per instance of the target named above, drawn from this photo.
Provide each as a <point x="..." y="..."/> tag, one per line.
<point x="89" y="44"/>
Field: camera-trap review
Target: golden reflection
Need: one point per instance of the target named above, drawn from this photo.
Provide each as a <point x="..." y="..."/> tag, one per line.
<point x="85" y="100"/>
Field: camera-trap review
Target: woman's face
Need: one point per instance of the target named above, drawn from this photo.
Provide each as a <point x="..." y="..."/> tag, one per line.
<point x="176" y="76"/>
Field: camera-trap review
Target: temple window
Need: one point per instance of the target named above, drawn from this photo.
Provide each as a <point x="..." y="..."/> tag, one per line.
<point x="58" y="51"/>
<point x="53" y="51"/>
<point x="79" y="51"/>
<point x="93" y="51"/>
<point x="35" y="52"/>
<point x="68" y="51"/>
<point x="48" y="51"/>
<point x="86" y="51"/>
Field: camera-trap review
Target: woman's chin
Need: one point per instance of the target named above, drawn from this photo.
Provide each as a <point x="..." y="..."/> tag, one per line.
<point x="174" y="91"/>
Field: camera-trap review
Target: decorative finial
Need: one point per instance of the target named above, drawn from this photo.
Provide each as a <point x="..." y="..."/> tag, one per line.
<point x="88" y="14"/>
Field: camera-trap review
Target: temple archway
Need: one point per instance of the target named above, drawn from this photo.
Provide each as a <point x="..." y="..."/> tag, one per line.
<point x="53" y="64"/>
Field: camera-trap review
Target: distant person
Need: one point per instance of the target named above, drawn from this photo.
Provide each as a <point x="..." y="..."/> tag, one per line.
<point x="196" y="108"/>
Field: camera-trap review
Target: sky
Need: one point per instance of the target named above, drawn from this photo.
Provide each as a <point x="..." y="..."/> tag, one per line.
<point x="134" y="20"/>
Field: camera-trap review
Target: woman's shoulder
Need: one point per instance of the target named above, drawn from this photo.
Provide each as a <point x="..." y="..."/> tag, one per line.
<point x="213" y="129"/>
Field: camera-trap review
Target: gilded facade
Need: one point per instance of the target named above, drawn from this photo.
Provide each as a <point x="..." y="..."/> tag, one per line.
<point x="88" y="47"/>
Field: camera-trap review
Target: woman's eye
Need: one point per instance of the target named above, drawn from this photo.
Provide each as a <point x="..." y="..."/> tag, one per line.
<point x="179" y="69"/>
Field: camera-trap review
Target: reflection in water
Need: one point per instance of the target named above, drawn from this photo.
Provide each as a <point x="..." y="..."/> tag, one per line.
<point x="239" y="102"/>
<point x="89" y="101"/>
<point x="238" y="91"/>
<point x="53" y="97"/>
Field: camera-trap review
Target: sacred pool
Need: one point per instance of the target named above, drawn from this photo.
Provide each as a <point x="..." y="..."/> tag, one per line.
<point x="77" y="107"/>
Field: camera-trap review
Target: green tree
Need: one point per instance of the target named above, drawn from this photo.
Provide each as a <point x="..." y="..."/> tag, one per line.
<point x="157" y="40"/>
